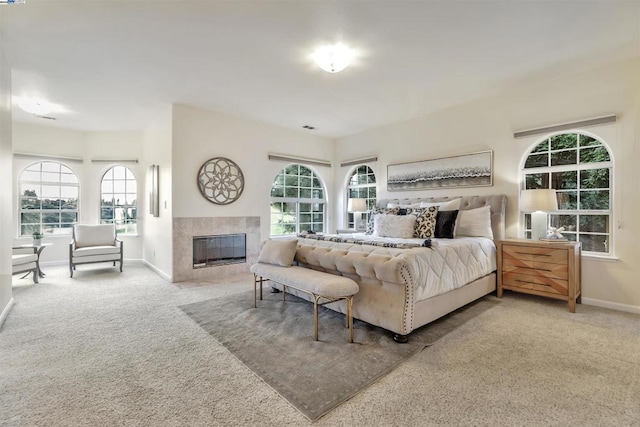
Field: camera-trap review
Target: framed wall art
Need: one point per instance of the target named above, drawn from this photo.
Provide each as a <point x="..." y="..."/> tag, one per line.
<point x="467" y="170"/>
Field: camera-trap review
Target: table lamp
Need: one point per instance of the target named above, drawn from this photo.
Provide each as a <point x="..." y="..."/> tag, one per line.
<point x="538" y="202"/>
<point x="357" y="206"/>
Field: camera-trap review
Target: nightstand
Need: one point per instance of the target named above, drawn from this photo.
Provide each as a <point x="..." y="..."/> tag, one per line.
<point x="548" y="269"/>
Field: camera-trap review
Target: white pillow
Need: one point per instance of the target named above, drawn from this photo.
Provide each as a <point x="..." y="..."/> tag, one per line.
<point x="391" y="205"/>
<point x="399" y="226"/>
<point x="278" y="252"/>
<point x="474" y="223"/>
<point x="451" y="205"/>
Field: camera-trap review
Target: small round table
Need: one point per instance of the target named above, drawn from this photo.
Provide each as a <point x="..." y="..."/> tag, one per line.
<point x="37" y="249"/>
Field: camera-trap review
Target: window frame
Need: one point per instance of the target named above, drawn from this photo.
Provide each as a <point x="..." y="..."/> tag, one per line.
<point x="578" y="190"/>
<point x="298" y="201"/>
<point x="126" y="193"/>
<point x="60" y="184"/>
<point x="349" y="188"/>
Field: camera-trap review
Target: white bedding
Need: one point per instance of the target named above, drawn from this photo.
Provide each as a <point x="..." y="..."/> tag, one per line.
<point x="447" y="265"/>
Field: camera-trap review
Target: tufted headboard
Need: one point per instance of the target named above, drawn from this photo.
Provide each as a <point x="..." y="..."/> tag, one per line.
<point x="497" y="202"/>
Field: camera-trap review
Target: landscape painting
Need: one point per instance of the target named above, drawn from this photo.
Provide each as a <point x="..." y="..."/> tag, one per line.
<point x="468" y="170"/>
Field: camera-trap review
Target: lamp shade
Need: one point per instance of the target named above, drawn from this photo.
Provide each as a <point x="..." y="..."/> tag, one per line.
<point x="357" y="205"/>
<point x="538" y="200"/>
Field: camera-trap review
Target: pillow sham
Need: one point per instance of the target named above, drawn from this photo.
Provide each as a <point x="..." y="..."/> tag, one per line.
<point x="445" y="224"/>
<point x="399" y="226"/>
<point x="451" y="205"/>
<point x="474" y="223"/>
<point x="376" y="211"/>
<point x="278" y="252"/>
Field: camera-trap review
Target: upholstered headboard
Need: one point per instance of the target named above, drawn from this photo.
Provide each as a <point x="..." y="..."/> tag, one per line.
<point x="497" y="203"/>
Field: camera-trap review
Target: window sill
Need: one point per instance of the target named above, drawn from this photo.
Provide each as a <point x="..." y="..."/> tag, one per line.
<point x="603" y="258"/>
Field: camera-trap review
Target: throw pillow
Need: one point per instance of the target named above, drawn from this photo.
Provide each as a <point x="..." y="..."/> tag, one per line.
<point x="278" y="252"/>
<point x="399" y="226"/>
<point x="425" y="222"/>
<point x="474" y="223"/>
<point x="376" y="211"/>
<point x="445" y="224"/>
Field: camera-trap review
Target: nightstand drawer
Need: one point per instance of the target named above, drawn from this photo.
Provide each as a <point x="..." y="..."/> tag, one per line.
<point x="532" y="268"/>
<point x="556" y="271"/>
<point x="537" y="283"/>
<point x="535" y="254"/>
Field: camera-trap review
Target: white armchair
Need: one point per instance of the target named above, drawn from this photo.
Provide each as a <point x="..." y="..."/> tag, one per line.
<point x="94" y="243"/>
<point x="24" y="263"/>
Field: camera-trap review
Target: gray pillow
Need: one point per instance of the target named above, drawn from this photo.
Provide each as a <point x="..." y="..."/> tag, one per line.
<point x="278" y="252"/>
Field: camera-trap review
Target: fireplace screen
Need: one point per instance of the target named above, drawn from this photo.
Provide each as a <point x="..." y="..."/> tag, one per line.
<point x="219" y="250"/>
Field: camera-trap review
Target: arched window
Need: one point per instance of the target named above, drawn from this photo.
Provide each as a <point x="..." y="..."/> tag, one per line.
<point x="48" y="199"/>
<point x="118" y="200"/>
<point x="362" y="185"/>
<point x="580" y="168"/>
<point x="297" y="201"/>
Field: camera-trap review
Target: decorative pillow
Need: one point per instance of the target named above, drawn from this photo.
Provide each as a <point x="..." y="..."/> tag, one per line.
<point x="474" y="223"/>
<point x="425" y="221"/>
<point x="399" y="226"/>
<point x="451" y="205"/>
<point x="278" y="252"/>
<point x="375" y="211"/>
<point x="445" y="224"/>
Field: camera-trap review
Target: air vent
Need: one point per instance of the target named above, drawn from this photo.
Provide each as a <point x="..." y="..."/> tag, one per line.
<point x="47" y="117"/>
<point x="308" y="127"/>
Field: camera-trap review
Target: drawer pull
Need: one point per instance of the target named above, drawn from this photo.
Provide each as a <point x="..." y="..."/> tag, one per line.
<point x="528" y="253"/>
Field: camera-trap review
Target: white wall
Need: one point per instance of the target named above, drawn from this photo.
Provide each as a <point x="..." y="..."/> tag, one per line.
<point x="199" y="135"/>
<point x="158" y="245"/>
<point x="6" y="196"/>
<point x="490" y="123"/>
<point x="84" y="146"/>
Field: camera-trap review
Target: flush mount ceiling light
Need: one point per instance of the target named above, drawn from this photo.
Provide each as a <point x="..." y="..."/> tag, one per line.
<point x="34" y="106"/>
<point x="334" y="58"/>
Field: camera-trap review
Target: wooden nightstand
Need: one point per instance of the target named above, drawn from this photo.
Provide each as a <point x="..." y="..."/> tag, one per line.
<point x="549" y="269"/>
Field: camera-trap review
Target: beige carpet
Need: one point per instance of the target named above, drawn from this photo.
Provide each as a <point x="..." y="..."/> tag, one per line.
<point x="110" y="349"/>
<point x="275" y="340"/>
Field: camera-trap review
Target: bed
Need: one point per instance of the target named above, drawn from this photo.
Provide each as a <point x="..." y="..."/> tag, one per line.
<point x="403" y="284"/>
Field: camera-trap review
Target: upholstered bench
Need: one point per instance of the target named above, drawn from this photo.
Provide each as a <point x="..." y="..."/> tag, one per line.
<point x="322" y="286"/>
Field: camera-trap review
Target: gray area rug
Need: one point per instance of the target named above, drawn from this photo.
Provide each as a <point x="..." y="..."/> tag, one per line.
<point x="276" y="342"/>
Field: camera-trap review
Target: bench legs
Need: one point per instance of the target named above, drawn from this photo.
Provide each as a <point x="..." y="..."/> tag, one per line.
<point x="316" y="302"/>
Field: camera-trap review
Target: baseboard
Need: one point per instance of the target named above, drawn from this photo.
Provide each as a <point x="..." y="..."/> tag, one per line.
<point x="5" y="312"/>
<point x="157" y="271"/>
<point x="66" y="262"/>
<point x="612" y="305"/>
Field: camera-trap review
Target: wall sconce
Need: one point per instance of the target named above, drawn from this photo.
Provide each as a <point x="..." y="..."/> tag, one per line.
<point x="357" y="206"/>
<point x="538" y="202"/>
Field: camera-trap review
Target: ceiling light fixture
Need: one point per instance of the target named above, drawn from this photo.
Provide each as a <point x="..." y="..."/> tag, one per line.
<point x="11" y="1"/>
<point x="34" y="106"/>
<point x="334" y="58"/>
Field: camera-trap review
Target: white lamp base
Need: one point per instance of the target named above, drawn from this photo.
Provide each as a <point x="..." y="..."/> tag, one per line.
<point x="538" y="225"/>
<point x="357" y="221"/>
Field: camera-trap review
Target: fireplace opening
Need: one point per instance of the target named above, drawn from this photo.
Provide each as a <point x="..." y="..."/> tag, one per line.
<point x="219" y="250"/>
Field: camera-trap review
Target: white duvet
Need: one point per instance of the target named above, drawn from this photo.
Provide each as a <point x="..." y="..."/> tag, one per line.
<point x="448" y="264"/>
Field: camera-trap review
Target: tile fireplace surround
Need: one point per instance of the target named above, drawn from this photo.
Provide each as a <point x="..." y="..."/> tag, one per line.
<point x="185" y="229"/>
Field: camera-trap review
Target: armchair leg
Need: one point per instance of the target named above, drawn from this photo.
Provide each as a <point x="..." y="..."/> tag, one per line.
<point x="35" y="276"/>
<point x="71" y="267"/>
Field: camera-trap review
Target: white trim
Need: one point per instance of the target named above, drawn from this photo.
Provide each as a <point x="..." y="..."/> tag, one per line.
<point x="301" y="160"/>
<point x="157" y="271"/>
<point x="566" y="126"/>
<point x="612" y="305"/>
<point x="45" y="157"/>
<point x="592" y="256"/>
<point x="5" y="312"/>
<point x="359" y="161"/>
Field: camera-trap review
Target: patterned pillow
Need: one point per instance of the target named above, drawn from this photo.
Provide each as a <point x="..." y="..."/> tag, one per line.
<point x="425" y="221"/>
<point x="373" y="212"/>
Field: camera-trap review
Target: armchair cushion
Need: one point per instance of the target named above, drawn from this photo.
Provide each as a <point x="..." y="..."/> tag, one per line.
<point x="18" y="260"/>
<point x="94" y="235"/>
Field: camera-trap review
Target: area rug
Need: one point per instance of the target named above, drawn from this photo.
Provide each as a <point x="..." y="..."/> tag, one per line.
<point x="276" y="342"/>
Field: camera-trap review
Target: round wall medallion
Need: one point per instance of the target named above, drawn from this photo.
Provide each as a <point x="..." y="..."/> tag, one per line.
<point x="220" y="181"/>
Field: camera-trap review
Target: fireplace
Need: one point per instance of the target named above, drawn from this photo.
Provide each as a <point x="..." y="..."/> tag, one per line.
<point x="219" y="250"/>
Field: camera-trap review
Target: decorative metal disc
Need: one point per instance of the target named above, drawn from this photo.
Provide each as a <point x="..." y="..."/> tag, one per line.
<point x="220" y="181"/>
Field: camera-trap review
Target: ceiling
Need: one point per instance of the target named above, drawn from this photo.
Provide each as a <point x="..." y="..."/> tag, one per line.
<point x="113" y="65"/>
